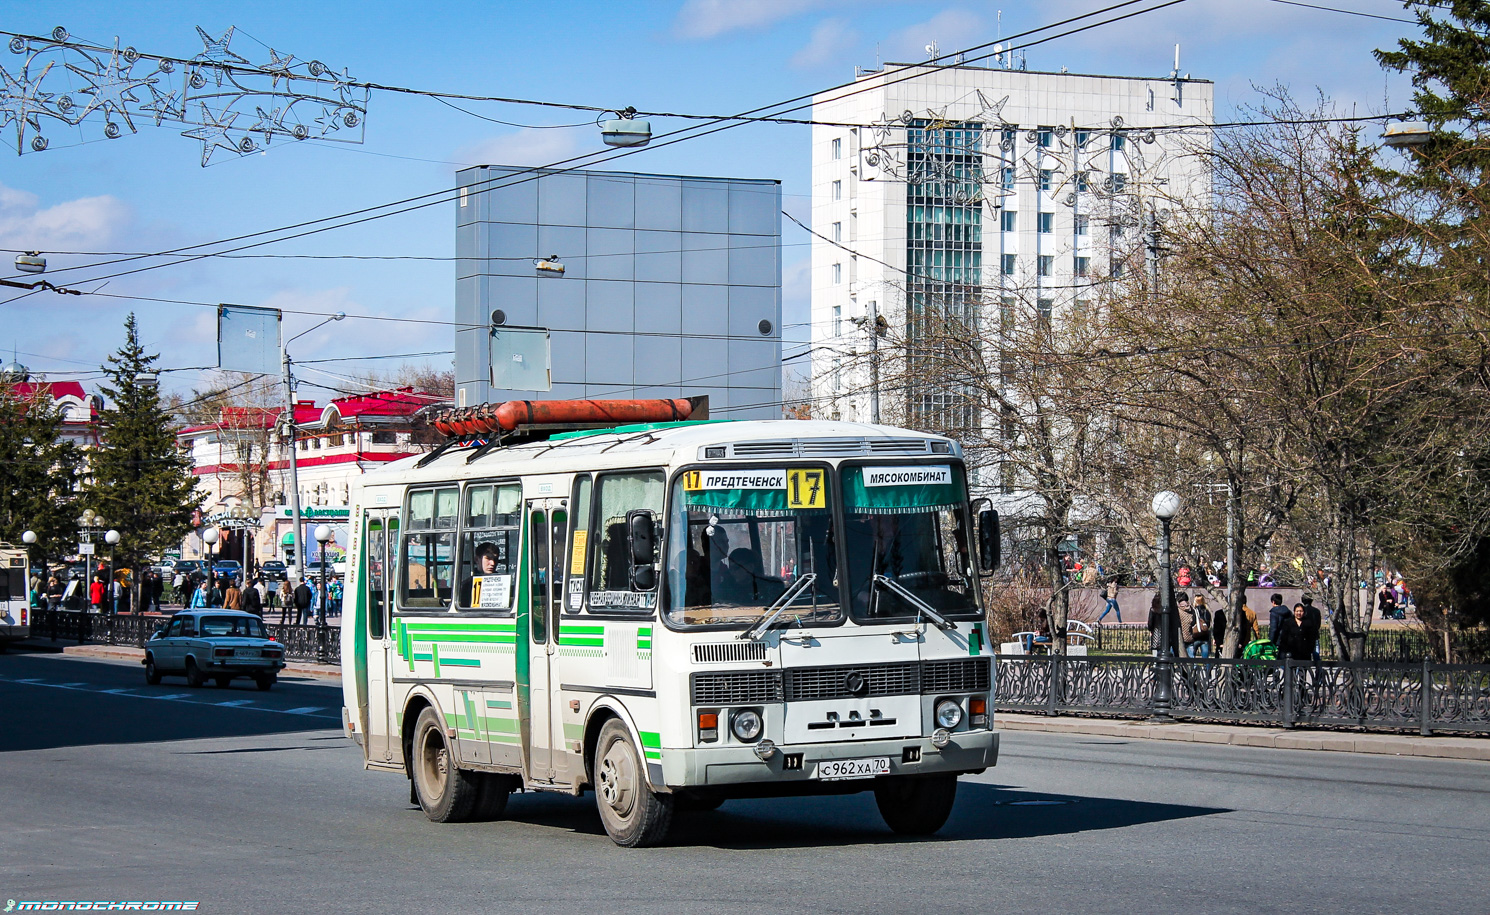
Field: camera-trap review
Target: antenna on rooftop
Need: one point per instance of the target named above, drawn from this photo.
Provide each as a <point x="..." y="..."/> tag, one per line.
<point x="932" y="51"/>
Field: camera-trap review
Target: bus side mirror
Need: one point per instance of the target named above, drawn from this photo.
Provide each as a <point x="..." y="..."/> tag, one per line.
<point x="641" y="536"/>
<point x="989" y="541"/>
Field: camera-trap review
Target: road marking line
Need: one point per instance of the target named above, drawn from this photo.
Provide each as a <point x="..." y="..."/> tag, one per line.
<point x="307" y="711"/>
<point x="303" y="711"/>
<point x="236" y="703"/>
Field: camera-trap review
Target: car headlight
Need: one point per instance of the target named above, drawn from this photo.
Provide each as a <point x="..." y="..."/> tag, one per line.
<point x="746" y="724"/>
<point x="949" y="713"/>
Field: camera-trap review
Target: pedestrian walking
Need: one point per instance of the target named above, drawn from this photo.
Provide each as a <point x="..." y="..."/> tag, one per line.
<point x="286" y="600"/>
<point x="1290" y="640"/>
<point x="1276" y="613"/>
<point x="303" y="599"/>
<point x="1156" y="624"/>
<point x="335" y="596"/>
<point x="232" y="598"/>
<point x="55" y="590"/>
<point x="96" y="594"/>
<point x="1186" y="613"/>
<point x="201" y="598"/>
<point x="1310" y="625"/>
<point x="1112" y="602"/>
<point x="1200" y="646"/>
<point x="253" y="598"/>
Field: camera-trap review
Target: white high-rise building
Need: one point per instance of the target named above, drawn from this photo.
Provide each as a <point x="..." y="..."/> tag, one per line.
<point x="974" y="187"/>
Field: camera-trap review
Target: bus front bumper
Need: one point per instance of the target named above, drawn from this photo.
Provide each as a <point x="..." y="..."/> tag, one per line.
<point x="969" y="751"/>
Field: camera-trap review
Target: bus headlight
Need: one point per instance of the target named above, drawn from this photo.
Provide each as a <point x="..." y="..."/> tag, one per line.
<point x="949" y="713"/>
<point x="746" y="724"/>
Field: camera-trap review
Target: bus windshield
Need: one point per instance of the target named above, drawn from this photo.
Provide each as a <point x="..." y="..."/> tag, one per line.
<point x="747" y="542"/>
<point x="907" y="524"/>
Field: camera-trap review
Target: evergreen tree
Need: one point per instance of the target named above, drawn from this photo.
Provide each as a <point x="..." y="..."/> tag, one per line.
<point x="141" y="483"/>
<point x="39" y="475"/>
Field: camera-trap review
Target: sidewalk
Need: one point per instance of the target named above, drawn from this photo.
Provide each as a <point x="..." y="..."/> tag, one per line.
<point x="1243" y="736"/>
<point x="295" y="668"/>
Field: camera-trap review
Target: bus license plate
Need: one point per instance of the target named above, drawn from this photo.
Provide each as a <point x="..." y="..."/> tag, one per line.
<point x="841" y="769"/>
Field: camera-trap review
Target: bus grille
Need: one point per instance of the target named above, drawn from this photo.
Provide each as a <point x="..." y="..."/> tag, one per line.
<point x="832" y="682"/>
<point x="719" y="652"/>
<point x="961" y="675"/>
<point x="737" y="687"/>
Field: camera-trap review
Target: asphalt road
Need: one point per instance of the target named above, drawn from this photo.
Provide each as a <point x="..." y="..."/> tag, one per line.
<point x="253" y="802"/>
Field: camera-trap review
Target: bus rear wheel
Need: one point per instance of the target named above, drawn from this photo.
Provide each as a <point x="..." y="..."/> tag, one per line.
<point x="916" y="805"/>
<point x="447" y="793"/>
<point x="634" y="816"/>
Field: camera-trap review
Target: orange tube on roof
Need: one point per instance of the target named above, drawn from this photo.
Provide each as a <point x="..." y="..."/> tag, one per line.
<point x="516" y="413"/>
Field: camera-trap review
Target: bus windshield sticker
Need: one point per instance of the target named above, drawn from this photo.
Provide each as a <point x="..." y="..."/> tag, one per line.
<point x="695" y="480"/>
<point x="492" y="592"/>
<point x="577" y="560"/>
<point x="805" y="489"/>
<point x="644" y="600"/>
<point x="939" y="475"/>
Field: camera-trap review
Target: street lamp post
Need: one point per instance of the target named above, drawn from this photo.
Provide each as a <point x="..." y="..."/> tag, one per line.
<point x="1165" y="506"/>
<point x="209" y="542"/>
<point x="112" y="539"/>
<point x="289" y="427"/>
<point x="323" y="537"/>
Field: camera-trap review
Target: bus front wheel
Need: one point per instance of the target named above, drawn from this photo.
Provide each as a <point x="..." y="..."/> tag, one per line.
<point x="916" y="805"/>
<point x="633" y="815"/>
<point x="447" y="793"/>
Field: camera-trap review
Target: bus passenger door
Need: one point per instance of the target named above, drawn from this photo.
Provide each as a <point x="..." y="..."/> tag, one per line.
<point x="547" y="521"/>
<point x="380" y="536"/>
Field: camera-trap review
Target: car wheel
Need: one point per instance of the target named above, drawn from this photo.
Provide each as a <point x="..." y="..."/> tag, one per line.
<point x="264" y="683"/>
<point x="633" y="815"/>
<point x="446" y="792"/>
<point x="222" y="682"/>
<point x="916" y="805"/>
<point x="152" y="673"/>
<point x="194" y="677"/>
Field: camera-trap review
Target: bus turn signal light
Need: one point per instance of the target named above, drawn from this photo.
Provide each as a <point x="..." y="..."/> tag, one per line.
<point x="708" y="726"/>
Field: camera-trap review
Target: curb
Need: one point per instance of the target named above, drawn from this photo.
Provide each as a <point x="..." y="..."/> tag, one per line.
<point x="298" y="668"/>
<point x="1465" y="748"/>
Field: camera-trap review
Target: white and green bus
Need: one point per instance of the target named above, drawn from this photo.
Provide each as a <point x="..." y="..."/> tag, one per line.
<point x="672" y="615"/>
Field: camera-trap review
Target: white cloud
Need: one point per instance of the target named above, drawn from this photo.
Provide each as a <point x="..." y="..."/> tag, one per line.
<point x="84" y="223"/>
<point x="703" y="19"/>
<point x="830" y="42"/>
<point x="525" y="147"/>
<point x="950" y="29"/>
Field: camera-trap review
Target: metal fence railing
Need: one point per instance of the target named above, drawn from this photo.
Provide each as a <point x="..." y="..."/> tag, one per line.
<point x="302" y="643"/>
<point x="1425" y="697"/>
<point x="1403" y="646"/>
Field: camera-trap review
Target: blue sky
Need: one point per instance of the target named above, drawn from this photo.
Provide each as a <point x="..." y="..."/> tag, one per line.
<point x="147" y="191"/>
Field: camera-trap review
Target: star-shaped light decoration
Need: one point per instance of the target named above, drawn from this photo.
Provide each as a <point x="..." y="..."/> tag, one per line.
<point x="268" y="123"/>
<point x="164" y="105"/>
<point x="216" y="52"/>
<point x="21" y="101"/>
<point x="278" y="67"/>
<point x="110" y="86"/>
<point x="214" y="132"/>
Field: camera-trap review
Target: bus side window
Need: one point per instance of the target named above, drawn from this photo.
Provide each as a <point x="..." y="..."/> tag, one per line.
<point x="610" y="558"/>
<point x="429" y="549"/>
<point x="376" y="552"/>
<point x="578" y="540"/>
<point x="488" y="559"/>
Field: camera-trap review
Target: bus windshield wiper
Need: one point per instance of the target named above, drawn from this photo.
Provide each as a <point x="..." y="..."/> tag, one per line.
<point x="778" y="606"/>
<point x="922" y="608"/>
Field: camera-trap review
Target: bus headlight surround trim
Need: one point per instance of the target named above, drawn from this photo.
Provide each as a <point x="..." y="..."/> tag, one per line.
<point x="746" y="725"/>
<point x="948" y="713"/>
<point x="764" y="750"/>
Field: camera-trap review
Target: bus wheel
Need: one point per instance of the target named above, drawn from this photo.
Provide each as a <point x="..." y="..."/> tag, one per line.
<point x="633" y="815"/>
<point x="491" y="801"/>
<point x="916" y="805"/>
<point x="446" y="792"/>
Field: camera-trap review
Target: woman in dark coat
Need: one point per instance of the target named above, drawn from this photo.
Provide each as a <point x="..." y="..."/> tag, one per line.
<point x="1293" y="640"/>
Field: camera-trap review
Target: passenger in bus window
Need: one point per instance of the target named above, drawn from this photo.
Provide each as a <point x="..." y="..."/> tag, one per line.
<point x="487" y="555"/>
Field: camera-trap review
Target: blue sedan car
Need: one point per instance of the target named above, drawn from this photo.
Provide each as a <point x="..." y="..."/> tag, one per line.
<point x="217" y="645"/>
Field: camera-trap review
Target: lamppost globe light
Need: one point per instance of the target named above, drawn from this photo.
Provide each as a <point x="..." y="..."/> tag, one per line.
<point x="323" y="533"/>
<point x="28" y="537"/>
<point x="1166" y="505"/>
<point x="210" y="536"/>
<point x="88" y="516"/>
<point x="111" y="538"/>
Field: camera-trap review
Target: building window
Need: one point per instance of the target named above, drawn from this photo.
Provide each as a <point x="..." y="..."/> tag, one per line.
<point x="1119" y="182"/>
<point x="1047" y="223"/>
<point x="1044" y="264"/>
<point x="1047" y="177"/>
<point x="838" y="231"/>
<point x="1007" y="137"/>
<point x="1083" y="225"/>
<point x="1083" y="266"/>
<point x="1119" y="142"/>
<point x="1081" y="182"/>
<point x="837" y="190"/>
<point x="837" y="148"/>
<point x="1009" y="220"/>
<point x="384" y="438"/>
<point x="1046" y="137"/>
<point x="1009" y="263"/>
<point x="1118" y="230"/>
<point x="1118" y="268"/>
<point x="837" y="274"/>
<point x="1083" y="137"/>
<point x="837" y="320"/>
<point x="1008" y="177"/>
<point x="1043" y="310"/>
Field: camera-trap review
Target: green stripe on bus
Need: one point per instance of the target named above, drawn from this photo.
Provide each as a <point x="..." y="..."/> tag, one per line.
<point x="461" y="662"/>
<point x="583" y="643"/>
<point x="434" y="657"/>
<point x="581" y="630"/>
<point x="498" y="703"/>
<point x="650" y="738"/>
<point x="505" y="725"/>
<point x="461" y="627"/>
